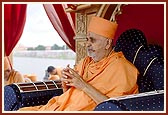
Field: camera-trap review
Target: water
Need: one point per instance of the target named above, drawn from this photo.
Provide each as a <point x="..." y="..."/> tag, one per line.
<point x="29" y="65"/>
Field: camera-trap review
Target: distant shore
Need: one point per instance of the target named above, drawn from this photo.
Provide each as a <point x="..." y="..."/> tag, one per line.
<point x="56" y="54"/>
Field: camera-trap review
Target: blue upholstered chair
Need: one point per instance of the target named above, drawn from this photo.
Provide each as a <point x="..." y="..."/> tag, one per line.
<point x="16" y="95"/>
<point x="149" y="61"/>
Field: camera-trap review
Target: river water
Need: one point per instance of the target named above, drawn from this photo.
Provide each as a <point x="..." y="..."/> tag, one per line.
<point x="29" y="65"/>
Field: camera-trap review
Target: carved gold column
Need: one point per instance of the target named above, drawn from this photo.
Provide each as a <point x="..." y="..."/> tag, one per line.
<point x="80" y="37"/>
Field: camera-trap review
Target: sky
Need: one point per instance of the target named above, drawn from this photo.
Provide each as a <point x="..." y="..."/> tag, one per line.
<point x="38" y="29"/>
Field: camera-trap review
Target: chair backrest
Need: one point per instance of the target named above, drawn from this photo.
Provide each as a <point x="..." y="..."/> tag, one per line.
<point x="150" y="63"/>
<point x="129" y="42"/>
<point x="147" y="58"/>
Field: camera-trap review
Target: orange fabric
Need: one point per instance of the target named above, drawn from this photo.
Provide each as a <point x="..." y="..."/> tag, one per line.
<point x="54" y="77"/>
<point x="102" y="27"/>
<point x="27" y="80"/>
<point x="113" y="76"/>
<point x="6" y="64"/>
<point x="15" y="77"/>
<point x="32" y="77"/>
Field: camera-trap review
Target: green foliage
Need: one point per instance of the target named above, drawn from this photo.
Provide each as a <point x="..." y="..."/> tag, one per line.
<point x="55" y="47"/>
<point x="30" y="49"/>
<point x="40" y="47"/>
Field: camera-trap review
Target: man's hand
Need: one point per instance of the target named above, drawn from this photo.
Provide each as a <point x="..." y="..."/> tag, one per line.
<point x="72" y="78"/>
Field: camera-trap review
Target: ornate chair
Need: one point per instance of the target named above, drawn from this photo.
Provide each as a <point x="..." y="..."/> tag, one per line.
<point x="149" y="61"/>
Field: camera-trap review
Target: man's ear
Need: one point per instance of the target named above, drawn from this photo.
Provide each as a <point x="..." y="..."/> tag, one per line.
<point x="109" y="43"/>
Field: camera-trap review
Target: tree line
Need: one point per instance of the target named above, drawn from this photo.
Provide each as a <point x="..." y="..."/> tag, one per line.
<point x="54" y="47"/>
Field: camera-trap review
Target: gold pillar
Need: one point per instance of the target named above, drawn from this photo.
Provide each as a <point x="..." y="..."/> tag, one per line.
<point x="80" y="37"/>
<point x="82" y="19"/>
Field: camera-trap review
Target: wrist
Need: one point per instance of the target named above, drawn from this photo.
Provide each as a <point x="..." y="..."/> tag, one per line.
<point x="85" y="87"/>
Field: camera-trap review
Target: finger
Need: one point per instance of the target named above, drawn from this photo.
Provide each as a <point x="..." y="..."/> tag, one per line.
<point x="72" y="71"/>
<point x="68" y="65"/>
<point x="68" y="74"/>
<point x="66" y="80"/>
<point x="67" y="68"/>
<point x="63" y="79"/>
<point x="69" y="84"/>
<point x="64" y="70"/>
<point x="64" y="76"/>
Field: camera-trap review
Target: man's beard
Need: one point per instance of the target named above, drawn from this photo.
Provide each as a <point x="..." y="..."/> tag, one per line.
<point x="91" y="53"/>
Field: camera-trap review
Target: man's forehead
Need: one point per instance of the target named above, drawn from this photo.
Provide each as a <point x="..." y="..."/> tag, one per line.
<point x="95" y="36"/>
<point x="91" y="34"/>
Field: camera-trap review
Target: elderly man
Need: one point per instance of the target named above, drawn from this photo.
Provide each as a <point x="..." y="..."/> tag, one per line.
<point x="101" y="75"/>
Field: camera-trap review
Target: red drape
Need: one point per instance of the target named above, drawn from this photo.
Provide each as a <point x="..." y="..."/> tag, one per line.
<point x="149" y="18"/>
<point x="63" y="22"/>
<point x="14" y="21"/>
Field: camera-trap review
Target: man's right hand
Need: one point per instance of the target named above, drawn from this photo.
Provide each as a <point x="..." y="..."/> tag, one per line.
<point x="63" y="79"/>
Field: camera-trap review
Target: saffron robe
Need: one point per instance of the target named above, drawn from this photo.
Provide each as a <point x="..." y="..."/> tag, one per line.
<point x="112" y="76"/>
<point x="30" y="77"/>
<point x="14" y="77"/>
<point x="54" y="77"/>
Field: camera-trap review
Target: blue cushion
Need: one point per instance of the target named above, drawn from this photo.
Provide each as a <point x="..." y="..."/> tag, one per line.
<point x="38" y="97"/>
<point x="142" y="103"/>
<point x="12" y="97"/>
<point x="154" y="77"/>
<point x="129" y="42"/>
<point x="149" y="62"/>
<point x="146" y="55"/>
